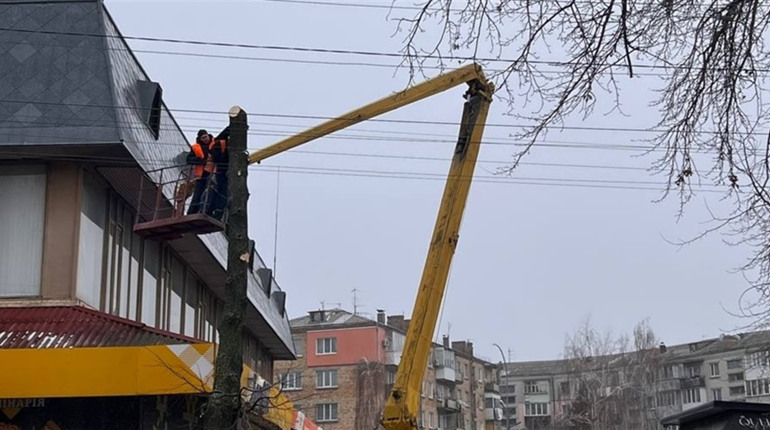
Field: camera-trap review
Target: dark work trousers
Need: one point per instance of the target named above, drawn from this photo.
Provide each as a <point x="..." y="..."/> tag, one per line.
<point x="219" y="197"/>
<point x="198" y="203"/>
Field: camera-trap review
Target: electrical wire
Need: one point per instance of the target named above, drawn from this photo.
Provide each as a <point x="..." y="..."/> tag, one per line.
<point x="337" y="51"/>
<point x="378" y="120"/>
<point x="369" y="173"/>
<point x="397" y="7"/>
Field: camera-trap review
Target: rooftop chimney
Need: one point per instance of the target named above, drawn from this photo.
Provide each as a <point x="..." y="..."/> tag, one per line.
<point x="463" y="347"/>
<point x="446" y="341"/>
<point x="317" y="316"/>
<point x="662" y="347"/>
<point x="398" y="322"/>
<point x="380" y="316"/>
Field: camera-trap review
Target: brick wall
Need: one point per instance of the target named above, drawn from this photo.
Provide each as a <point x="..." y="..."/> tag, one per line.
<point x="309" y="396"/>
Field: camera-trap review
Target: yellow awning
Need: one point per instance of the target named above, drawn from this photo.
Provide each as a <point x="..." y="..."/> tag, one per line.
<point x="107" y="371"/>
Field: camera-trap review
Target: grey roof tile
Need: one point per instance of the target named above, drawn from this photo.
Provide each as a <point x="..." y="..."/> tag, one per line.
<point x="60" y="85"/>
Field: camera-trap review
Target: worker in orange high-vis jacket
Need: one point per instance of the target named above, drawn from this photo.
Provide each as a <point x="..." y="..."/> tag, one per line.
<point x="203" y="167"/>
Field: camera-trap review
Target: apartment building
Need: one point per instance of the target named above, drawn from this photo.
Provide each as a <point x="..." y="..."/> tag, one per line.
<point x="346" y="367"/>
<point x="636" y="389"/>
<point x="101" y="327"/>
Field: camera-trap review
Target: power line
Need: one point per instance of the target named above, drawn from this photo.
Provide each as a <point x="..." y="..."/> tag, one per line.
<point x="385" y="174"/>
<point x="335" y="51"/>
<point x="395" y="7"/>
<point x="344" y="4"/>
<point x="304" y="61"/>
<point x="380" y="120"/>
<point x="383" y="138"/>
<point x="485" y="180"/>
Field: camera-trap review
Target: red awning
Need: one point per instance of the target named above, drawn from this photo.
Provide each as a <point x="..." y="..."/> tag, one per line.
<point x="76" y="326"/>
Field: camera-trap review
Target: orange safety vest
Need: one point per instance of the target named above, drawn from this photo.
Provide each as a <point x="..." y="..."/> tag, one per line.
<point x="214" y="141"/>
<point x="199" y="169"/>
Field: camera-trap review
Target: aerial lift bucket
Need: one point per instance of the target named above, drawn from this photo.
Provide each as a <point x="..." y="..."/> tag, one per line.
<point x="163" y="207"/>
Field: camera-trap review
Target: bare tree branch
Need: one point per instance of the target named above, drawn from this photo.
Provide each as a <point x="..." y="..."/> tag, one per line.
<point x="713" y="66"/>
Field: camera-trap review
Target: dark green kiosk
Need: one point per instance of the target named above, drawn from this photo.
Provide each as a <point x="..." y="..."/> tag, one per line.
<point x="719" y="415"/>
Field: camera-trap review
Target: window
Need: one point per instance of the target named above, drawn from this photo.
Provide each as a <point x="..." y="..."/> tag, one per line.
<point x="716" y="394"/>
<point x="735" y="364"/>
<point x="536" y="409"/>
<point x="758" y="387"/>
<point x="291" y="381"/>
<point x="737" y="391"/>
<point x="714" y="369"/>
<point x="325" y="412"/>
<point x="189" y="310"/>
<point x="149" y="96"/>
<point x="326" y="345"/>
<point x="431" y="420"/>
<point x="531" y="387"/>
<point x="121" y="261"/>
<point x="444" y="422"/>
<point x="21" y="231"/>
<point x="564" y="388"/>
<point x="93" y="215"/>
<point x="692" y="371"/>
<point x="691" y="395"/>
<point x="668" y="398"/>
<point x="150" y="280"/>
<point x="391" y="377"/>
<point x="508" y="388"/>
<point x="440" y="392"/>
<point x="734" y="377"/>
<point x="326" y="378"/>
<point x="759" y="359"/>
<point x="668" y="372"/>
<point x="299" y="345"/>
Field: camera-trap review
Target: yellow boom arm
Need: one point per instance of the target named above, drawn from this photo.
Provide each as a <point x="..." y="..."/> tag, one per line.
<point x="403" y="403"/>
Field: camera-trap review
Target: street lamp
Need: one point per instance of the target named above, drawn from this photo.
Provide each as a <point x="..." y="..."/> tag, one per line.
<point x="505" y="369"/>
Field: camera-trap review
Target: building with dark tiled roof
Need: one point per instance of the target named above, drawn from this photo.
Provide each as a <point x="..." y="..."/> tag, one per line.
<point x="102" y="327"/>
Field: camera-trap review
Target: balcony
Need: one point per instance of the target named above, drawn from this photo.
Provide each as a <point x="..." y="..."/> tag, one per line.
<point x="448" y="406"/>
<point x="491" y="387"/>
<point x="669" y="384"/>
<point x="445" y="374"/>
<point x="393" y="357"/>
<point x="692" y="382"/>
<point x="493" y="414"/>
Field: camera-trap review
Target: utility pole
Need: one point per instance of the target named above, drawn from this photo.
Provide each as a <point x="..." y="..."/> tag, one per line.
<point x="223" y="408"/>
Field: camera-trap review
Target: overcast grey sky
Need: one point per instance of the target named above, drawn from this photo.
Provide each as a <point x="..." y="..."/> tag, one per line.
<point x="538" y="252"/>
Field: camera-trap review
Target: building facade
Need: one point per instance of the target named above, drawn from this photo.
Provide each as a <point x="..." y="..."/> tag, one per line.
<point x="347" y="364"/>
<point x="636" y="389"/>
<point x="93" y="315"/>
